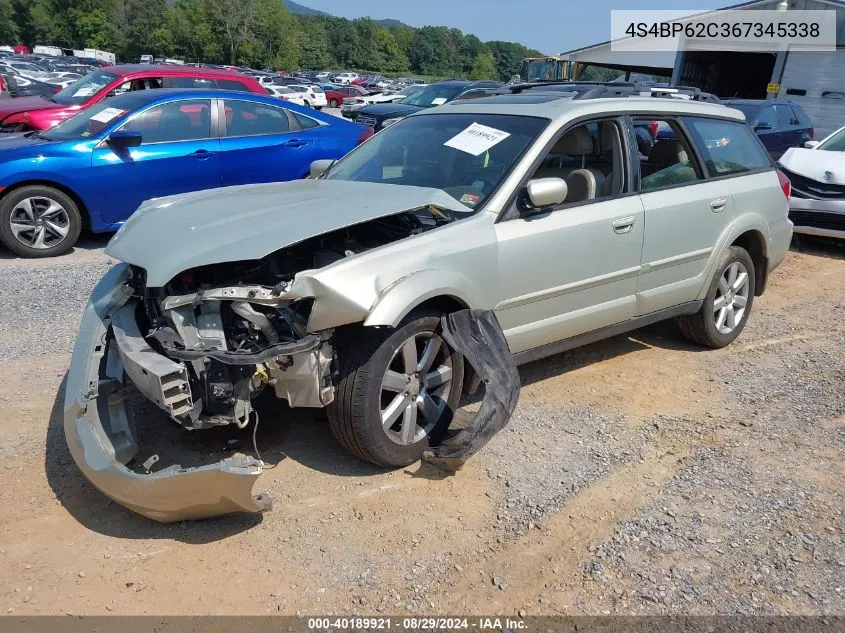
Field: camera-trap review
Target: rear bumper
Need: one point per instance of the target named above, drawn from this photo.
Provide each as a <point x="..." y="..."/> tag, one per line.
<point x="101" y="442"/>
<point x="825" y="218"/>
<point x="781" y="237"/>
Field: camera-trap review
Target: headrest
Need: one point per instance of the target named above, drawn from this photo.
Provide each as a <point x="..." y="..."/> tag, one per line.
<point x="668" y="152"/>
<point x="576" y="142"/>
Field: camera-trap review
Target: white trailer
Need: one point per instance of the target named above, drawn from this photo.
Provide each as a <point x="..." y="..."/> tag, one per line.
<point x="54" y="51"/>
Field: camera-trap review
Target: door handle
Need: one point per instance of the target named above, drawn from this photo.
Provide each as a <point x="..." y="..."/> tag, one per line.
<point x="202" y="154"/>
<point x="294" y="142"/>
<point x="624" y="225"/>
<point x="718" y="204"/>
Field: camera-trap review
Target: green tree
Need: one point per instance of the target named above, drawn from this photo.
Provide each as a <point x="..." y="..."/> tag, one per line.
<point x="471" y="48"/>
<point x="428" y="53"/>
<point x="484" y="66"/>
<point x="313" y="43"/>
<point x="233" y="20"/>
<point x="9" y="30"/>
<point x="48" y="25"/>
<point x="509" y="56"/>
<point x="393" y="60"/>
<point x="137" y="21"/>
<point x="275" y="33"/>
<point x="161" y="42"/>
<point x="193" y="35"/>
<point x="403" y="36"/>
<point x="344" y="43"/>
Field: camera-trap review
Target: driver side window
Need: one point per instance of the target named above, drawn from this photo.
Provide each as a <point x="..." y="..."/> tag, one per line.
<point x="188" y="120"/>
<point x="588" y="157"/>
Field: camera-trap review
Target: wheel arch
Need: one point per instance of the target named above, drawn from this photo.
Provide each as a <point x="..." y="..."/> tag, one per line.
<point x="70" y="193"/>
<point x="438" y="289"/>
<point x="754" y="242"/>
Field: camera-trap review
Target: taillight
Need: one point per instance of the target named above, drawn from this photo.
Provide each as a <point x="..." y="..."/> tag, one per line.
<point x="785" y="185"/>
<point x="312" y="95"/>
<point x="653" y="127"/>
<point x="367" y="133"/>
<point x="360" y="101"/>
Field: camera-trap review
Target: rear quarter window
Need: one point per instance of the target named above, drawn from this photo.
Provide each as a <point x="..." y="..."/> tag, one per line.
<point x="728" y="147"/>
<point x="230" y="84"/>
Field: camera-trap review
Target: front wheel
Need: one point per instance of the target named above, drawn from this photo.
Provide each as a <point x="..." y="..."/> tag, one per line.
<point x="398" y="391"/>
<point x="39" y="221"/>
<point x="726" y="306"/>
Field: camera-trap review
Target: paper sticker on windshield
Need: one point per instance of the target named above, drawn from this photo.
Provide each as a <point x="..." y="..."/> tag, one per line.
<point x="477" y="139"/>
<point x="438" y="101"/>
<point x="84" y="92"/>
<point x="392" y="171"/>
<point x="108" y="114"/>
<point x="469" y="199"/>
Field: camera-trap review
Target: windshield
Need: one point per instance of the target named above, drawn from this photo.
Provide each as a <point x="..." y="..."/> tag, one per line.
<point x="87" y="123"/>
<point x="836" y="143"/>
<point x="540" y="69"/>
<point x="434" y="95"/>
<point x="465" y="155"/>
<point x="750" y="111"/>
<point x="84" y="88"/>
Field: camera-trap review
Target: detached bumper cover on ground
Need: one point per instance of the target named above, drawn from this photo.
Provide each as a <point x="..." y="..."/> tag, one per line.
<point x="101" y="441"/>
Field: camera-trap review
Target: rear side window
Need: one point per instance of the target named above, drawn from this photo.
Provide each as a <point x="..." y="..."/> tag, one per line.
<point x="188" y="82"/>
<point x="665" y="156"/>
<point x="247" y="118"/>
<point x="303" y="122"/>
<point x="728" y="147"/>
<point x="229" y="84"/>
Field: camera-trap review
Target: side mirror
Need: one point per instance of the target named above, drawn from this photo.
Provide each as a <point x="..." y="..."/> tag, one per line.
<point x="122" y="139"/>
<point x="320" y="167"/>
<point x="811" y="144"/>
<point x="541" y="193"/>
<point x="763" y="126"/>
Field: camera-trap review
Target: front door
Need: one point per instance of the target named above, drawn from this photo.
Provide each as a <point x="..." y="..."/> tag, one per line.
<point x="573" y="269"/>
<point x="177" y="154"/>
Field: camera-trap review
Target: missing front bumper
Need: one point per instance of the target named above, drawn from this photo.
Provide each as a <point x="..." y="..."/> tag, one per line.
<point x="101" y="441"/>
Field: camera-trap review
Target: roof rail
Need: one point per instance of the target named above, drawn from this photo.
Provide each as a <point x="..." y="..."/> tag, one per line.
<point x="611" y="89"/>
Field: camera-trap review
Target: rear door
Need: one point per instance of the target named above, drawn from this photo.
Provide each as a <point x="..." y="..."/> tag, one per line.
<point x="685" y="213"/>
<point x="260" y="142"/>
<point x="178" y="153"/>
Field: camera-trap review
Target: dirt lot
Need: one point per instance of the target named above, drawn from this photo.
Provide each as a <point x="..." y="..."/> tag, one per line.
<point x="639" y="475"/>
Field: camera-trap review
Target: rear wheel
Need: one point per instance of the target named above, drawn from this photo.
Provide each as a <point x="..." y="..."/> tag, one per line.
<point x="397" y="392"/>
<point x="39" y="221"/>
<point x="726" y="306"/>
<point x="333" y="103"/>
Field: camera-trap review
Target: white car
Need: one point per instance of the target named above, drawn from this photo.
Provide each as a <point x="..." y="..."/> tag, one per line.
<point x="351" y="104"/>
<point x="313" y="96"/>
<point x="817" y="174"/>
<point x="30" y="71"/>
<point x="345" y="78"/>
<point x="286" y="94"/>
<point x="62" y="79"/>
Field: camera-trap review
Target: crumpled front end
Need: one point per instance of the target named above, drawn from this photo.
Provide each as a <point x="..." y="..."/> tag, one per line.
<point x="101" y="441"/>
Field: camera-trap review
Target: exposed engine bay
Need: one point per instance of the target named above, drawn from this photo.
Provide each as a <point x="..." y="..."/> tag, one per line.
<point x="228" y="331"/>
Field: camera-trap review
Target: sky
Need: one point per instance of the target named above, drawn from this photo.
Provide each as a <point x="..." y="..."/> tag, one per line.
<point x="550" y="26"/>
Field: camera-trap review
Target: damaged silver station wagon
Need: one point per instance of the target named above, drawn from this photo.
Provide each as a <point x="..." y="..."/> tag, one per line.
<point x="559" y="216"/>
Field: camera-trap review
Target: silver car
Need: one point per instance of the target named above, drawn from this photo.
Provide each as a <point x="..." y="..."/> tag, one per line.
<point x="328" y="292"/>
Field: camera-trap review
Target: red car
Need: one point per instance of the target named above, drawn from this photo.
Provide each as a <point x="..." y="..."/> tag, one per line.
<point x="40" y="113"/>
<point x="335" y="96"/>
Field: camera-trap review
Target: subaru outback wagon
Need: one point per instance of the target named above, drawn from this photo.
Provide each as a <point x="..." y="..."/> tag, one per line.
<point x="328" y="291"/>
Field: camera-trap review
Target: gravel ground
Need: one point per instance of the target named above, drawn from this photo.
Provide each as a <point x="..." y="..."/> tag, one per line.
<point x="638" y="475"/>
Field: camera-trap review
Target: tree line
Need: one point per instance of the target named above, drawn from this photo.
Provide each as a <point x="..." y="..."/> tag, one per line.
<point x="256" y="33"/>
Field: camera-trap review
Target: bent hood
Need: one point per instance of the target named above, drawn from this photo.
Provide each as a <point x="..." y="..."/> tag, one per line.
<point x="166" y="236"/>
<point x="826" y="167"/>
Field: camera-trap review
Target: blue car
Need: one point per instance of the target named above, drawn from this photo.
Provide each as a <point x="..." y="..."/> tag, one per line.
<point x="93" y="170"/>
<point x="779" y="123"/>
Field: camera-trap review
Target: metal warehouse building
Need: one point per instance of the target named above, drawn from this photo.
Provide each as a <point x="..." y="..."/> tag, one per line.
<point x="815" y="80"/>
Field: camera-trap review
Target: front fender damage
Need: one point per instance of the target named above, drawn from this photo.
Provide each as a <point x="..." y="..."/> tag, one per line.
<point x="101" y="442"/>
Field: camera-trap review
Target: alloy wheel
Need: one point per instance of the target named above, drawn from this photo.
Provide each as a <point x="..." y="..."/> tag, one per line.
<point x="39" y="222"/>
<point x="415" y="388"/>
<point x="731" y="297"/>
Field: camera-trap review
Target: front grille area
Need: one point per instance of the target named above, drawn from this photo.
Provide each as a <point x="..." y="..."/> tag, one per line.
<point x="818" y="220"/>
<point x="366" y="120"/>
<point x="803" y="187"/>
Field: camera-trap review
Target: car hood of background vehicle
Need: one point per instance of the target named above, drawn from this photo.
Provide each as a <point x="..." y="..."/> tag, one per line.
<point x="25" y="104"/>
<point x="19" y="140"/>
<point x="813" y="163"/>
<point x="389" y="110"/>
<point x="166" y="236"/>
